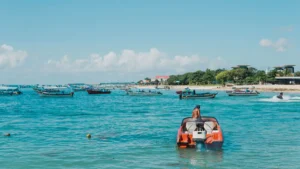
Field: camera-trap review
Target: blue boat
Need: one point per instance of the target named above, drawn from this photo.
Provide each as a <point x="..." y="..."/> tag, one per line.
<point x="194" y="95"/>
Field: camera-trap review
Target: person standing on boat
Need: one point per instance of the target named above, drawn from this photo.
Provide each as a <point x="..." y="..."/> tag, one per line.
<point x="196" y="112"/>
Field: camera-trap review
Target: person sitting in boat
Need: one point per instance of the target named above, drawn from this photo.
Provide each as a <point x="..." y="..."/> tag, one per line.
<point x="194" y="92"/>
<point x="280" y="96"/>
<point x="196" y="112"/>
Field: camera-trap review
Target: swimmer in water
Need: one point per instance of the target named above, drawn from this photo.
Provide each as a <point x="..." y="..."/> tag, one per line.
<point x="280" y="96"/>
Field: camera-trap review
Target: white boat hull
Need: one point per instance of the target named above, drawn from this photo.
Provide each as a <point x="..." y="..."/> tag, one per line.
<point x="243" y="94"/>
<point x="56" y="95"/>
<point x="143" y="94"/>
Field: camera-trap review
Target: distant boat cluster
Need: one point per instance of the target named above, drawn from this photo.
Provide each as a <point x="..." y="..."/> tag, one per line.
<point x="241" y="91"/>
<point x="70" y="89"/>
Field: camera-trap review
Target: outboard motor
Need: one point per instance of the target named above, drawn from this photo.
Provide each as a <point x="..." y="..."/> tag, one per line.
<point x="200" y="134"/>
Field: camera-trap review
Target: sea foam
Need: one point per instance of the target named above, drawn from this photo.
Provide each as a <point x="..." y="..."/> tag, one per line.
<point x="286" y="98"/>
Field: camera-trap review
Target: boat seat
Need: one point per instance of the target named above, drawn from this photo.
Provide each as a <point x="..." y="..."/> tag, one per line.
<point x="190" y="126"/>
<point x="209" y="126"/>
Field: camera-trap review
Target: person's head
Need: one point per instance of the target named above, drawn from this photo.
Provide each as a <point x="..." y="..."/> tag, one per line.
<point x="197" y="107"/>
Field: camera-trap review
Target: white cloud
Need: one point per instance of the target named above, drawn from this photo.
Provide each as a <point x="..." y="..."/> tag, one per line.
<point x="280" y="45"/>
<point x="265" y="42"/>
<point x="10" y="58"/>
<point x="130" y="61"/>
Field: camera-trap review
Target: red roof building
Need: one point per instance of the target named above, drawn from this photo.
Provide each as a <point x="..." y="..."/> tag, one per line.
<point x="162" y="77"/>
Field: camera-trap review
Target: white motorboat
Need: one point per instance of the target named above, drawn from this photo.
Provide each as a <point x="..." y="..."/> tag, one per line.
<point x="54" y="91"/>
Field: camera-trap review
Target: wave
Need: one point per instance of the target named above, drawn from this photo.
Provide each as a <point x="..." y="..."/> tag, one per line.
<point x="286" y="98"/>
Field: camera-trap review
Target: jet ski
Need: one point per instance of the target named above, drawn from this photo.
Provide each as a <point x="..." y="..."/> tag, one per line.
<point x="280" y="96"/>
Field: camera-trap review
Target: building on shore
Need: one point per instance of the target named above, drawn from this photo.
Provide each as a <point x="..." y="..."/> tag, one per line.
<point x="157" y="80"/>
<point x="286" y="69"/>
<point x="287" y="80"/>
<point x="162" y="78"/>
<point x="288" y="77"/>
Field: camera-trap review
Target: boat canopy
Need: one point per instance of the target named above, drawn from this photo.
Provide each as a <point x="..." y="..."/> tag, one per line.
<point x="55" y="87"/>
<point x="5" y="88"/>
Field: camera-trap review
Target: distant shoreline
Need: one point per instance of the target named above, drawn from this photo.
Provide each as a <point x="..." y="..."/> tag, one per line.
<point x="260" y="88"/>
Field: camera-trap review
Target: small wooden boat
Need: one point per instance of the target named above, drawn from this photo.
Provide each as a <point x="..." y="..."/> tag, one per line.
<point x="77" y="87"/>
<point x="53" y="91"/>
<point x="242" y="91"/>
<point x="98" y="91"/>
<point x="205" y="131"/>
<point x="244" y="94"/>
<point x="6" y="93"/>
<point x="185" y="91"/>
<point x="56" y="94"/>
<point x="163" y="88"/>
<point x="9" y="91"/>
<point x="206" y="95"/>
<point x="191" y="94"/>
<point x="131" y="92"/>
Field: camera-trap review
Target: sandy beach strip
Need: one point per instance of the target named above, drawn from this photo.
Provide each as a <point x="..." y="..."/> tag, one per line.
<point x="262" y="88"/>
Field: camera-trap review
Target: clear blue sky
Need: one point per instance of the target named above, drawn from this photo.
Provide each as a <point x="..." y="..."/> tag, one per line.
<point x="260" y="33"/>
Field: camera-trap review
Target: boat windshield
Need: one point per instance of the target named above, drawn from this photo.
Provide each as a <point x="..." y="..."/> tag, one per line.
<point x="209" y="124"/>
<point x="203" y="118"/>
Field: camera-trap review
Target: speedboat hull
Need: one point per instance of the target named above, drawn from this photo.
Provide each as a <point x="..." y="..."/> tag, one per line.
<point x="213" y="135"/>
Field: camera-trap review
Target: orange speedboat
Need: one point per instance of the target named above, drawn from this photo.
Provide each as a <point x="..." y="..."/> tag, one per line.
<point x="204" y="130"/>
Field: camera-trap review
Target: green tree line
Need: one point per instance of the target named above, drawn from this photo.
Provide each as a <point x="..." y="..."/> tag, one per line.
<point x="222" y="76"/>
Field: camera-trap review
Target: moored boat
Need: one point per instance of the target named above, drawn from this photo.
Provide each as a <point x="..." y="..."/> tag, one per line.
<point x="191" y="94"/>
<point x="205" y="95"/>
<point x="77" y="87"/>
<point x="9" y="91"/>
<point x="54" y="91"/>
<point x="243" y="91"/>
<point x="163" y="88"/>
<point x="185" y="91"/>
<point x="98" y="91"/>
<point x="143" y="92"/>
<point x="205" y="131"/>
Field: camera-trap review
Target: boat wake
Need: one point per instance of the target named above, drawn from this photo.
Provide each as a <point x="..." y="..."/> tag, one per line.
<point x="286" y="98"/>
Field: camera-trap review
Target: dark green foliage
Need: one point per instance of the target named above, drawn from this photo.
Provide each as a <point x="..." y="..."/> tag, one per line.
<point x="297" y="74"/>
<point x="221" y="76"/>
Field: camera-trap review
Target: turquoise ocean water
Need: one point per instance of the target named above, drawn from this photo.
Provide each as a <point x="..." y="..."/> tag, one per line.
<point x="140" y="132"/>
